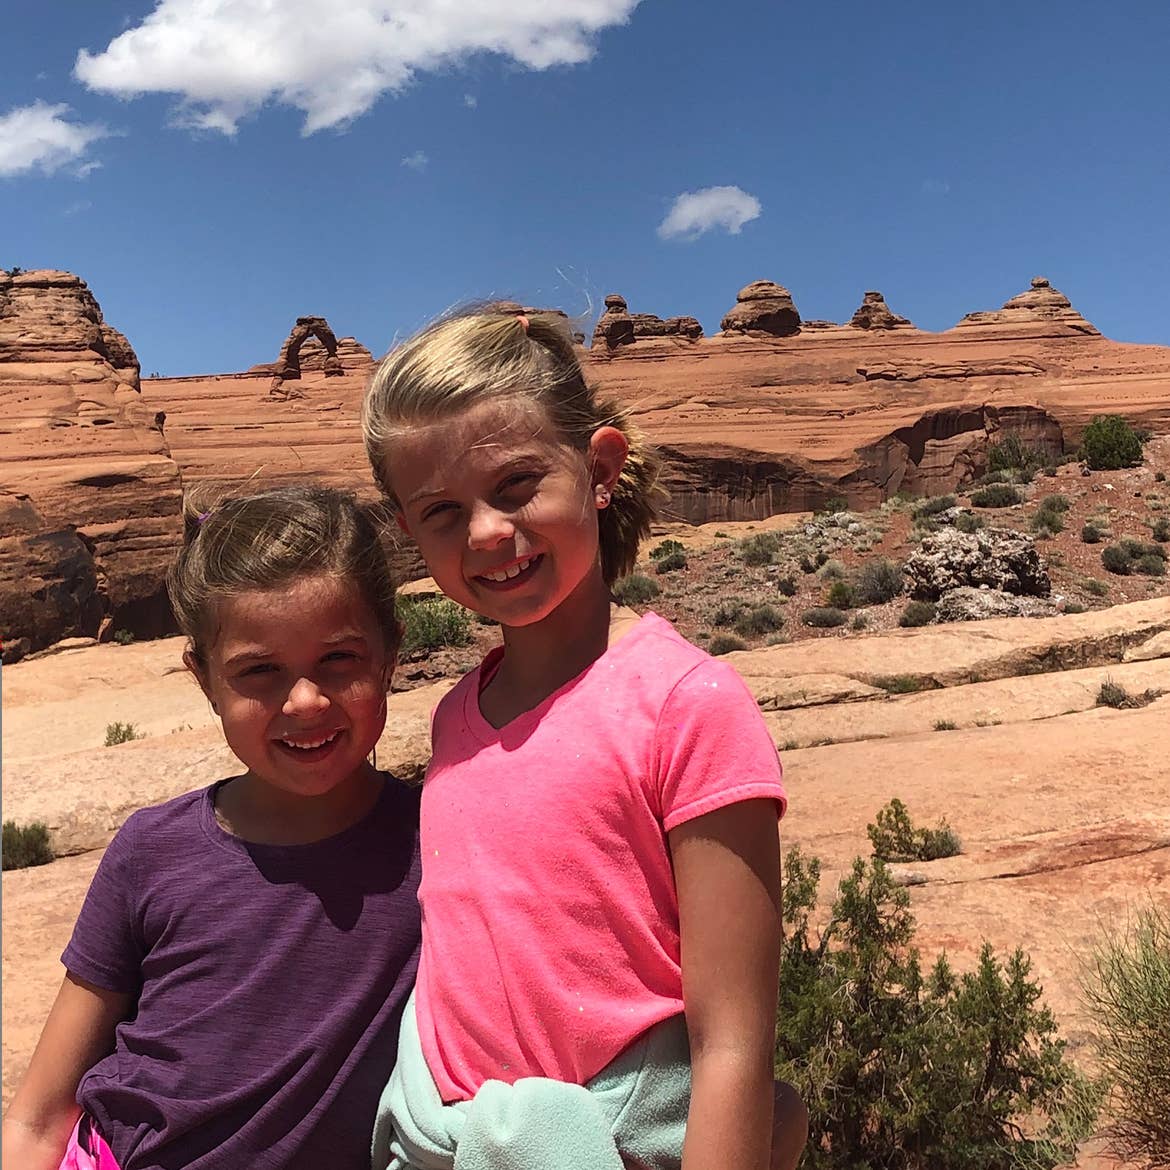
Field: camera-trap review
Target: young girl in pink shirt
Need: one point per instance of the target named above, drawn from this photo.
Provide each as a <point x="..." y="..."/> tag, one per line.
<point x="599" y="844"/>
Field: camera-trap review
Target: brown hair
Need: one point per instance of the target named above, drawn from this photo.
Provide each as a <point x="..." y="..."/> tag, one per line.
<point x="267" y="540"/>
<point x="462" y="360"/>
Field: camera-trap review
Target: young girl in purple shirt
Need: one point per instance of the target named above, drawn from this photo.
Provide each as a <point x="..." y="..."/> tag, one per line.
<point x="236" y="977"/>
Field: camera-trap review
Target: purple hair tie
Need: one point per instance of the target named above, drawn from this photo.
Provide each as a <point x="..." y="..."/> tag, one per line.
<point x="201" y="517"/>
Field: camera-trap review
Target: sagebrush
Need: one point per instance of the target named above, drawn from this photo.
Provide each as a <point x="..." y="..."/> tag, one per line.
<point x="25" y="845"/>
<point x="894" y="836"/>
<point x="1128" y="993"/>
<point x="433" y="622"/>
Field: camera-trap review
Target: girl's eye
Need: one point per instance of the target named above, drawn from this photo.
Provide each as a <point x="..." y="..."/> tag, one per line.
<point x="522" y="479"/>
<point x="259" y="668"/>
<point x="436" y="510"/>
<point x="340" y="656"/>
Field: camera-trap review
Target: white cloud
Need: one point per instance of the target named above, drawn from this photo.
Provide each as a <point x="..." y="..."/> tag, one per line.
<point x="227" y="58"/>
<point x="470" y="101"/>
<point x="935" y="187"/>
<point x="41" y="138"/>
<point x="696" y="212"/>
<point x="417" y="161"/>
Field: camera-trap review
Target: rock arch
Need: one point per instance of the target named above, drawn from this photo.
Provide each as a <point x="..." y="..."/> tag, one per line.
<point x="288" y="365"/>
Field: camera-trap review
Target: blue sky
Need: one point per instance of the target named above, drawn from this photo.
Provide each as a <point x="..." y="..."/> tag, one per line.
<point x="214" y="171"/>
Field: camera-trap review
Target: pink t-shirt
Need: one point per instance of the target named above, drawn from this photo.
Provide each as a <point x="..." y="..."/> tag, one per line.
<point x="550" y="921"/>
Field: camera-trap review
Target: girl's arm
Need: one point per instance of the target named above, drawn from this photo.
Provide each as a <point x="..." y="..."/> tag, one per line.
<point x="78" y="1033"/>
<point x="727" y="871"/>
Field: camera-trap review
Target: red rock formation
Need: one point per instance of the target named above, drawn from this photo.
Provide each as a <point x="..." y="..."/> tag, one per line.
<point x="288" y="364"/>
<point x="874" y="313"/>
<point x="763" y="307"/>
<point x="618" y="326"/>
<point x="1041" y="303"/>
<point x="90" y="498"/>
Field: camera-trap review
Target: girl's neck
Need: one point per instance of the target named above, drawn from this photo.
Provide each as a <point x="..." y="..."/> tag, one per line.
<point x="539" y="659"/>
<point x="255" y="811"/>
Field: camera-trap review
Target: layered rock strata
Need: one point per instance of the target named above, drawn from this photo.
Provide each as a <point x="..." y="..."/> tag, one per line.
<point x="1040" y="303"/>
<point x="617" y="326"/>
<point x="90" y="498"/>
<point x="874" y="313"/>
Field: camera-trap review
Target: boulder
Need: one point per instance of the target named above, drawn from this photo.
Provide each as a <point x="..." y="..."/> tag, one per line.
<point x="763" y="307"/>
<point x="90" y="498"/>
<point x="999" y="558"/>
<point x="967" y="604"/>
<point x="874" y="313"/>
<point x="618" y="326"/>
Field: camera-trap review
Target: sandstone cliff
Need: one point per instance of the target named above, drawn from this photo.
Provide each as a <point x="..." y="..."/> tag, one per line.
<point x="90" y="498"/>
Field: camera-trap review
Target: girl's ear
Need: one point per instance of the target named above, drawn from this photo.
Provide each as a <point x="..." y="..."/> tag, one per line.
<point x="193" y="665"/>
<point x="608" y="449"/>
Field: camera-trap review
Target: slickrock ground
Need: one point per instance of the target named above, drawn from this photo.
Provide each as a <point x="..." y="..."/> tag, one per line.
<point x="1062" y="805"/>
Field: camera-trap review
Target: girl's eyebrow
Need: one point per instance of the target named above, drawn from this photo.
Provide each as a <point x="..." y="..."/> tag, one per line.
<point x="258" y="653"/>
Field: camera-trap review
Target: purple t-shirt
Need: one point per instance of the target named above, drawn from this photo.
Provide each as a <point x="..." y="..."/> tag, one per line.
<point x="270" y="984"/>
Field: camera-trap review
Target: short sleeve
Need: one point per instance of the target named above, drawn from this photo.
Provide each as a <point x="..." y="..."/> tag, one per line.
<point x="712" y="747"/>
<point x="106" y="948"/>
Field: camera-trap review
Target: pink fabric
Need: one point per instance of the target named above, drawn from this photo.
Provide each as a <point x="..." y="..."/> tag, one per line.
<point x="550" y="921"/>
<point x="98" y="1156"/>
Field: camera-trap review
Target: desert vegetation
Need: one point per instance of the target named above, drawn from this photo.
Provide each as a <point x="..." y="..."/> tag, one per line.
<point x="117" y="733"/>
<point x="916" y="1070"/>
<point x="26" y="845"/>
<point x="894" y="837"/>
<point x="432" y="623"/>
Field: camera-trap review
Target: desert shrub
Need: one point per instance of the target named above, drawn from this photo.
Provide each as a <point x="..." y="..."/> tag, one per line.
<point x="832" y="506"/>
<point x="1056" y="503"/>
<point x="1159" y="477"/>
<point x="25" y="845"/>
<point x="117" y="733"/>
<point x="894" y="837"/>
<point x="1160" y="529"/>
<point x="831" y="570"/>
<point x="666" y="548"/>
<point x="759" y="549"/>
<point x="909" y="1070"/>
<point x="945" y="725"/>
<point x="635" y="589"/>
<point x="670" y="563"/>
<point x="1011" y="453"/>
<point x="995" y="495"/>
<point x="859" y="622"/>
<point x="1134" y="548"/>
<point x="1127" y="989"/>
<point x="900" y="684"/>
<point x="727" y="612"/>
<point x="1095" y="587"/>
<point x="724" y="644"/>
<point x="841" y="595"/>
<point x="1110" y="443"/>
<point x="823" y="617"/>
<point x="755" y="620"/>
<point x="1113" y="694"/>
<point x="431" y="623"/>
<point x="123" y="637"/>
<point x="1150" y="565"/>
<point x="968" y="522"/>
<point x="932" y="506"/>
<point x="786" y="586"/>
<point x="1075" y="607"/>
<point x="878" y="581"/>
<point x="1115" y="559"/>
<point x="918" y="613"/>
<point x="1091" y="533"/>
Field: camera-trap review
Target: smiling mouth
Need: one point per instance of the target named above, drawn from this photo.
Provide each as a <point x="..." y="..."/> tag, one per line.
<point x="305" y="744"/>
<point x="511" y="572"/>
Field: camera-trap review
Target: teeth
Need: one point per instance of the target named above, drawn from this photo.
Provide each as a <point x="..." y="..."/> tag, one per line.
<point x="308" y="744"/>
<point x="509" y="573"/>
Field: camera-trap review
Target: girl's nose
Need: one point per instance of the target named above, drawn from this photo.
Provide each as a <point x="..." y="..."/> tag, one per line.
<point x="305" y="699"/>
<point x="489" y="527"/>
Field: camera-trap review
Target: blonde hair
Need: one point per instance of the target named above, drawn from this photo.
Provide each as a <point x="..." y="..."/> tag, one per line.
<point x="463" y="360"/>
<point x="269" y="539"/>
